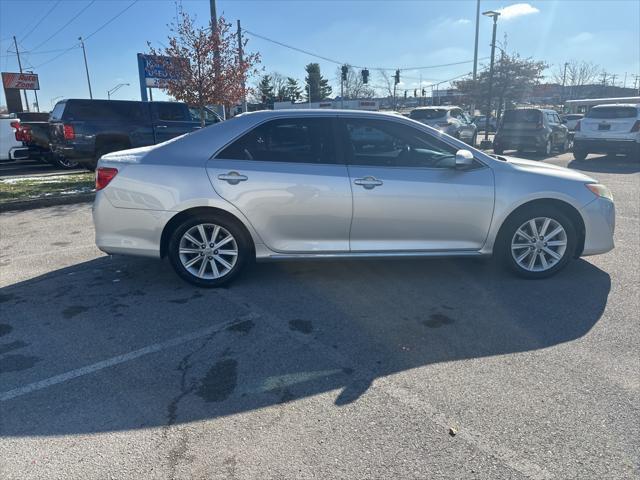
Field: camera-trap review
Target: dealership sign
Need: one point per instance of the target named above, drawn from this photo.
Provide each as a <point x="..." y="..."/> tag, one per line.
<point x="23" y="81"/>
<point x="154" y="69"/>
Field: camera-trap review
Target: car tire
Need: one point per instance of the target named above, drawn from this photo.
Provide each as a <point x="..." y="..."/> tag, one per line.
<point x="579" y="154"/>
<point x="517" y="257"/>
<point x="546" y="148"/>
<point x="219" y="269"/>
<point x="65" y="163"/>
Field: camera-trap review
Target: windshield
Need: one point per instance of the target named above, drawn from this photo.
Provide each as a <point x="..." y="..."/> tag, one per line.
<point x="522" y="116"/>
<point x="613" y="112"/>
<point x="428" y="114"/>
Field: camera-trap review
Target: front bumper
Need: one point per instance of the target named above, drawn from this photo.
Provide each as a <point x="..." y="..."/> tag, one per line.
<point x="592" y="145"/>
<point x="600" y="222"/>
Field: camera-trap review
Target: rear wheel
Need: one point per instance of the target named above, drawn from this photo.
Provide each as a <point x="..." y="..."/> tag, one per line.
<point x="65" y="163"/>
<point x="546" y="148"/>
<point x="208" y="251"/>
<point x="537" y="242"/>
<point x="579" y="153"/>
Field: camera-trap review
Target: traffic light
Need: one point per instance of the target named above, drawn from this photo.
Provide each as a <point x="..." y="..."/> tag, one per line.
<point x="345" y="70"/>
<point x="405" y="94"/>
<point x="397" y="77"/>
<point x="415" y="92"/>
<point x="424" y="92"/>
<point x="365" y="76"/>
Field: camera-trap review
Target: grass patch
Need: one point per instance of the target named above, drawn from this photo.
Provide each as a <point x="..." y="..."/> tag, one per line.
<point x="26" y="188"/>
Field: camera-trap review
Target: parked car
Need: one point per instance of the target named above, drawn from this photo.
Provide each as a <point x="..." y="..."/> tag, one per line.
<point x="480" y="121"/>
<point x="300" y="184"/>
<point x="450" y="120"/>
<point x="571" y="120"/>
<point x="84" y="130"/>
<point x="609" y="129"/>
<point x="531" y="129"/>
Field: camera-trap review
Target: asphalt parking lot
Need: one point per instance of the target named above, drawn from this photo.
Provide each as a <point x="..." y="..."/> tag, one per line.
<point x="111" y="367"/>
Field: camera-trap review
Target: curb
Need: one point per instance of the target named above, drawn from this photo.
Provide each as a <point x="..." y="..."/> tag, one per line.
<point x="20" y="205"/>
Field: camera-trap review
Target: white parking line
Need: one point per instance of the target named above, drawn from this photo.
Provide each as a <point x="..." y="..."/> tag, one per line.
<point x="110" y="362"/>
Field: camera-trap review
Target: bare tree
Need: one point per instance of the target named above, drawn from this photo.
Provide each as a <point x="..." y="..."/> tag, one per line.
<point x="354" y="87"/>
<point x="387" y="82"/>
<point x="578" y="73"/>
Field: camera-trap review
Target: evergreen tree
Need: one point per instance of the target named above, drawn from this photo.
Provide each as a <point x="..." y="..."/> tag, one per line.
<point x="294" y="93"/>
<point x="315" y="83"/>
<point x="265" y="87"/>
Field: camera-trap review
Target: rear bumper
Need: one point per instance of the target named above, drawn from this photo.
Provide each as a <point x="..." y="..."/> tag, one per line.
<point x="605" y="146"/>
<point x="600" y="222"/>
<point x="128" y="231"/>
<point x="520" y="141"/>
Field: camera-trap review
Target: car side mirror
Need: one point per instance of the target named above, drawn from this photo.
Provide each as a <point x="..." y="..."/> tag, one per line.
<point x="464" y="159"/>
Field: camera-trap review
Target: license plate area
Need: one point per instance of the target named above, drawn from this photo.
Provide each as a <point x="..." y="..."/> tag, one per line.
<point x="604" y="126"/>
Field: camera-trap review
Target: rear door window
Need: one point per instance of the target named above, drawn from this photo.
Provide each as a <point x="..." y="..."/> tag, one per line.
<point x="613" y="112"/>
<point x="105" y="111"/>
<point x="297" y="140"/>
<point x="172" y="112"/>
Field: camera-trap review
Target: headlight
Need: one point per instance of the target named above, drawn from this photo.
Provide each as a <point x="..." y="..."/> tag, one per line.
<point x="600" y="190"/>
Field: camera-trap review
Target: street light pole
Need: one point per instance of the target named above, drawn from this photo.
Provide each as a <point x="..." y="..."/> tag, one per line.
<point x="115" y="89"/>
<point x="26" y="100"/>
<point x="86" y="67"/>
<point x="564" y="80"/>
<point x="494" y="15"/>
<point x="475" y="53"/>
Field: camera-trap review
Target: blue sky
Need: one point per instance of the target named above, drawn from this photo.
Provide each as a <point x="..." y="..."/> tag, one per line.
<point x="370" y="33"/>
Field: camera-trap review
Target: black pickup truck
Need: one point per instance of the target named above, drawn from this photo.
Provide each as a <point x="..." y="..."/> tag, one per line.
<point x="33" y="131"/>
<point x="84" y="130"/>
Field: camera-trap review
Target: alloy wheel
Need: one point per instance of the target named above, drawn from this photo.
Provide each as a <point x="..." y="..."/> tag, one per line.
<point x="208" y="251"/>
<point x="539" y="244"/>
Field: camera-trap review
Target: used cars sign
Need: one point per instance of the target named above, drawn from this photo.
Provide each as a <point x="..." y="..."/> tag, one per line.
<point x="23" y="81"/>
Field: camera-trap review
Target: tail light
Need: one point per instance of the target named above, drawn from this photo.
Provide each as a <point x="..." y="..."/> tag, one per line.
<point x="25" y="133"/>
<point x="636" y="127"/>
<point x="104" y="175"/>
<point x="17" y="130"/>
<point x="577" y="129"/>
<point x="68" y="132"/>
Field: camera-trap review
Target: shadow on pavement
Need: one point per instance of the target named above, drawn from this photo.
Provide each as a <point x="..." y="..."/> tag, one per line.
<point x="293" y="331"/>
<point x="603" y="164"/>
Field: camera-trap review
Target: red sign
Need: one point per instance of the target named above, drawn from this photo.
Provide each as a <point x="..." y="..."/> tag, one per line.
<point x="23" y="81"/>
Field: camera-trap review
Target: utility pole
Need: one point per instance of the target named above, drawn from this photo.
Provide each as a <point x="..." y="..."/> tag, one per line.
<point x="475" y="52"/>
<point x="624" y="84"/>
<point x="494" y="15"/>
<point x="244" y="96"/>
<point x="214" y="16"/>
<point x="35" y="92"/>
<point x="26" y="100"/>
<point x="604" y="82"/>
<point x="613" y="79"/>
<point x="86" y="67"/>
<point x="564" y="81"/>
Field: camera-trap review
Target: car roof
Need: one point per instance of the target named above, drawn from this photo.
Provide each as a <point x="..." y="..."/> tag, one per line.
<point x="633" y="105"/>
<point x="437" y="107"/>
<point x="315" y="112"/>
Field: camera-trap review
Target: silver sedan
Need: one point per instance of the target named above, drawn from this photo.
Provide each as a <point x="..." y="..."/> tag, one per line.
<point x="277" y="185"/>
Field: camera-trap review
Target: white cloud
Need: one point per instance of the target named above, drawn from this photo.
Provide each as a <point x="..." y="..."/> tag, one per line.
<point x="581" y="37"/>
<point x="517" y="10"/>
<point x="462" y="21"/>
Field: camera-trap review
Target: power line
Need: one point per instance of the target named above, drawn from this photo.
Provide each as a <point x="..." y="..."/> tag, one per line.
<point x="40" y="21"/>
<point x="338" y="62"/>
<point x="77" y="45"/>
<point x="65" y="25"/>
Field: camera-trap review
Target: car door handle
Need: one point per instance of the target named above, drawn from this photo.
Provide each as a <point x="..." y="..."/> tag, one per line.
<point x="232" y="178"/>
<point x="368" y="182"/>
<point x="161" y="126"/>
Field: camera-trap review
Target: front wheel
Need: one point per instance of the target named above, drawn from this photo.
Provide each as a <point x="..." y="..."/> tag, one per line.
<point x="65" y="163"/>
<point x="208" y="251"/>
<point x="537" y="242"/>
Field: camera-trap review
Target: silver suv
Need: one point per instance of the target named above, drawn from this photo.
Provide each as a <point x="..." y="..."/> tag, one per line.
<point x="450" y="120"/>
<point x="338" y="184"/>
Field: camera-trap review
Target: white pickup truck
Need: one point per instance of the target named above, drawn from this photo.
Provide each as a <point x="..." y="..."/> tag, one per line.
<point x="7" y="136"/>
<point x="609" y="129"/>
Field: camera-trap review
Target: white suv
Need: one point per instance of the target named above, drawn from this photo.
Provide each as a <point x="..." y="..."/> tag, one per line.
<point x="609" y="129"/>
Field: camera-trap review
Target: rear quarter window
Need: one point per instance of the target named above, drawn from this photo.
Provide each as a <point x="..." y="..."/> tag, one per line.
<point x="58" y="110"/>
<point x="613" y="112"/>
